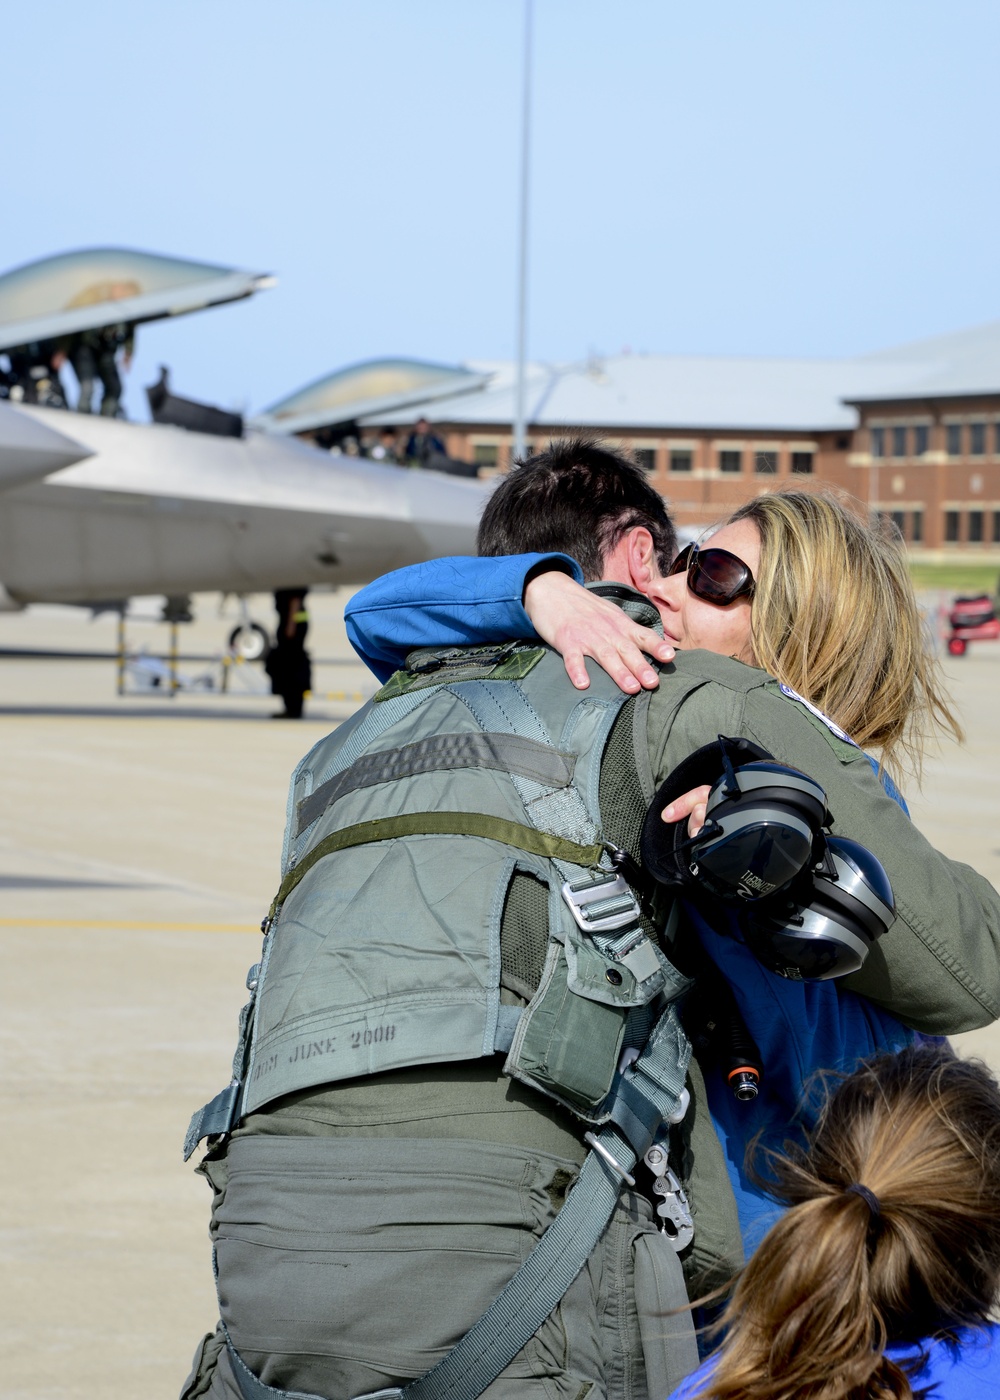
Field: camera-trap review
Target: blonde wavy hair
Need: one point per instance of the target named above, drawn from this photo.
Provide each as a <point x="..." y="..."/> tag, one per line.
<point x="835" y="617"/>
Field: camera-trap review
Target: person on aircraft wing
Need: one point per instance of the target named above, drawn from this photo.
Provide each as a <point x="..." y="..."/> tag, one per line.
<point x="384" y="449"/>
<point x="423" y="445"/>
<point x="34" y="374"/>
<point x="460" y="993"/>
<point x="94" y="355"/>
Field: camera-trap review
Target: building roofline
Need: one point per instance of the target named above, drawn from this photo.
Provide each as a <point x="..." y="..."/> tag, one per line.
<point x="622" y="430"/>
<point x="925" y="397"/>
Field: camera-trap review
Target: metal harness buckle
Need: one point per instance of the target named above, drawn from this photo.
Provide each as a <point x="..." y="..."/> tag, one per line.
<point x="601" y="902"/>
<point x="674" y="1210"/>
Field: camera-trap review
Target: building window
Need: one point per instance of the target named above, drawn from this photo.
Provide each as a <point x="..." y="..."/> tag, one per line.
<point x="996" y="527"/>
<point x="878" y="442"/>
<point x="646" y="458"/>
<point x="996" y="438"/>
<point x="730" y="460"/>
<point x="920" y="439"/>
<point x="954" y="439"/>
<point x="802" y="462"/>
<point x="899" y="442"/>
<point x="899" y="522"/>
<point x="917" y="526"/>
<point x="681" y="461"/>
<point x="951" y="526"/>
<point x="977" y="439"/>
<point x="485" y="454"/>
<point x="975" y="527"/>
<point x="765" y="462"/>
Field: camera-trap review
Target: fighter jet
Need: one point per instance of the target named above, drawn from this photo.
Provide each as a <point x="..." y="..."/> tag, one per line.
<point x="96" y="509"/>
<point x="151" y="508"/>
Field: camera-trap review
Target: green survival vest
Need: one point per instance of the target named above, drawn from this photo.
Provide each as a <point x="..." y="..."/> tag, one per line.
<point x="405" y="828"/>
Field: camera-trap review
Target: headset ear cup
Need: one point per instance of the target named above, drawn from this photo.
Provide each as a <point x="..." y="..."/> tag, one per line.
<point x="763" y="824"/>
<point x="660" y="841"/>
<point x="826" y="926"/>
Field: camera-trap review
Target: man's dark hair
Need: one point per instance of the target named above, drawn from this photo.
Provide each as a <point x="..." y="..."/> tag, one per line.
<point x="576" y="498"/>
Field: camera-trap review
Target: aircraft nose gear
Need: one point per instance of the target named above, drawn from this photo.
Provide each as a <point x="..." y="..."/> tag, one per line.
<point x="249" y="641"/>
<point x="673" y="1209"/>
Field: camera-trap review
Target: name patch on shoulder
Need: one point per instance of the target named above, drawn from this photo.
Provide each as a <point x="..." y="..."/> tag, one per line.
<point x="814" y="710"/>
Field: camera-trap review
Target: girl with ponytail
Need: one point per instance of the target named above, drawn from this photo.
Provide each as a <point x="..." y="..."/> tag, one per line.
<point x="879" y="1280"/>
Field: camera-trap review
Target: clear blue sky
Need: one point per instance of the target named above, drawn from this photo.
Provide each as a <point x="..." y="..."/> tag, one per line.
<point x="794" y="177"/>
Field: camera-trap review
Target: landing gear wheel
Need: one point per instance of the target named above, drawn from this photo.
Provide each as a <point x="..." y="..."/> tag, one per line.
<point x="957" y="646"/>
<point x="249" y="641"/>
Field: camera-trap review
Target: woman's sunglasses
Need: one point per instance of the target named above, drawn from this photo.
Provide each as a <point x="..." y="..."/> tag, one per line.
<point x="714" y="575"/>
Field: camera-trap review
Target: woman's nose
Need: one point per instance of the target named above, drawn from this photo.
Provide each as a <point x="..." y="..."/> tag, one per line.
<point x="667" y="592"/>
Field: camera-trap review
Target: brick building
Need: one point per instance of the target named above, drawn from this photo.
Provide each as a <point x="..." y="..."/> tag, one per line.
<point x="934" y="466"/>
<point x="913" y="431"/>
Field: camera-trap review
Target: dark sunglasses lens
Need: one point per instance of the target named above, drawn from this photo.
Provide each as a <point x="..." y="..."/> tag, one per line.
<point x="680" y="564"/>
<point x="718" y="577"/>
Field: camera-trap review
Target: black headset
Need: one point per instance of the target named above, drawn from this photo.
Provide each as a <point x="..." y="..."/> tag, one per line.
<point x="813" y="903"/>
<point x="827" y="927"/>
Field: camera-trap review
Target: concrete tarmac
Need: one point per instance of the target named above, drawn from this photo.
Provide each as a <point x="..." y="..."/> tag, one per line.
<point x="139" y="846"/>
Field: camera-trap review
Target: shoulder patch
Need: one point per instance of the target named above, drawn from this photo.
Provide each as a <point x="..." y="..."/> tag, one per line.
<point x="791" y="694"/>
<point x="510" y="662"/>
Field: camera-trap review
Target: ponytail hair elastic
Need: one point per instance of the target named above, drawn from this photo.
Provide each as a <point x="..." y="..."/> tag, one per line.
<point x="868" y="1196"/>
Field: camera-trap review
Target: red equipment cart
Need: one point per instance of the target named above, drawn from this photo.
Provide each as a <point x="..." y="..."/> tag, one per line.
<point x="972" y="619"/>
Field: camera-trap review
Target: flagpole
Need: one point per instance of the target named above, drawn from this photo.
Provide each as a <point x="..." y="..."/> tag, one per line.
<point x="520" y="426"/>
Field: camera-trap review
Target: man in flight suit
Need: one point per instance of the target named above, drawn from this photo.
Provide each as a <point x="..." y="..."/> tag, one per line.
<point x="373" y="1197"/>
<point x="94" y="355"/>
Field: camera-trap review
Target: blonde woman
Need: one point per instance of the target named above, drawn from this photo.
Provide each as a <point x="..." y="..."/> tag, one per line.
<point x="831" y="613"/>
<point x="879" y="1281"/>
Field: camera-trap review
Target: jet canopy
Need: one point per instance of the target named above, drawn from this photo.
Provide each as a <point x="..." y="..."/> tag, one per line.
<point x="95" y="287"/>
<point x="373" y="386"/>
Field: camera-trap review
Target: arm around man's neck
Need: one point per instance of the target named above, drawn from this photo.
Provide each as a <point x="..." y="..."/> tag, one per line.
<point x="459" y="601"/>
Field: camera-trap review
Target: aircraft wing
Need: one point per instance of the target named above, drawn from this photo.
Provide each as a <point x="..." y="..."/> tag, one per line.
<point x="157" y="509"/>
<point x="30" y="450"/>
<point x="96" y="287"/>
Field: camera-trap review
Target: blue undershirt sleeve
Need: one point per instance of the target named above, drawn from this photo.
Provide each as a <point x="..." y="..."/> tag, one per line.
<point x="459" y="601"/>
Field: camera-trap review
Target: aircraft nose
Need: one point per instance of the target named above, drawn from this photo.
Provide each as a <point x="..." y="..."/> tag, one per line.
<point x="30" y="449"/>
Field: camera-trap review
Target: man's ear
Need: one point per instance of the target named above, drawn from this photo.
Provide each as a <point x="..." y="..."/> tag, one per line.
<point x="640" y="556"/>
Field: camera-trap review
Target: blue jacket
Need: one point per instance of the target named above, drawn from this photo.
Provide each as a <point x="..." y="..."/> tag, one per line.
<point x="968" y="1371"/>
<point x="799" y="1027"/>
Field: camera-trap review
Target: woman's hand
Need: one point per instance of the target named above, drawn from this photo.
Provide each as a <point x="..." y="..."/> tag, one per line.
<point x="578" y="624"/>
<point x="691" y="805"/>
